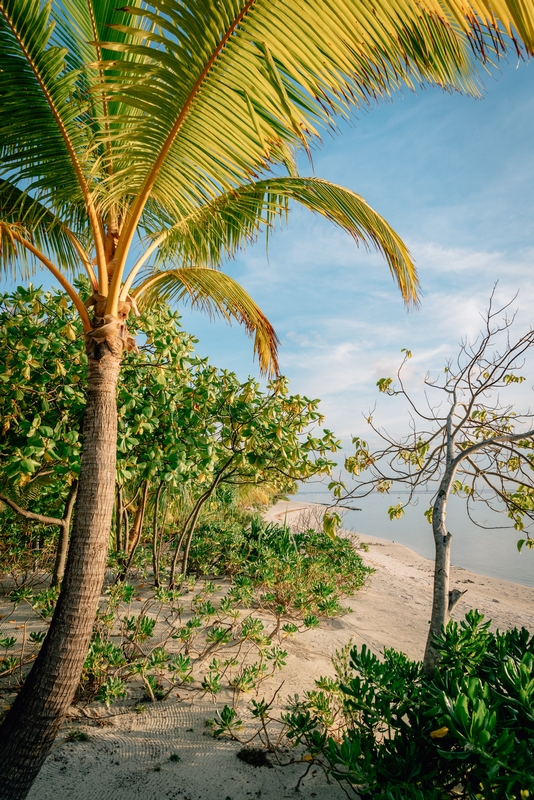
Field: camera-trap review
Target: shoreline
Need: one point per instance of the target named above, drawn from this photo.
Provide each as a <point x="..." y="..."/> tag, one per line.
<point x="483" y="541"/>
<point x="393" y="609"/>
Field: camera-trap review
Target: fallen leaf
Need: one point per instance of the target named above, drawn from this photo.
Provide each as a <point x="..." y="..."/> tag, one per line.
<point x="440" y="733"/>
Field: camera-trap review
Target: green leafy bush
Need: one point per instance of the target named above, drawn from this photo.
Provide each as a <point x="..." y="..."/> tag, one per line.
<point x="385" y="730"/>
<point x="304" y="573"/>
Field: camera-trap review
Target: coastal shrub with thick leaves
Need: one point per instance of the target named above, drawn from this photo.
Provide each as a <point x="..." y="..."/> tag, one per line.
<point x="187" y="431"/>
<point x="384" y="730"/>
<point x="303" y="573"/>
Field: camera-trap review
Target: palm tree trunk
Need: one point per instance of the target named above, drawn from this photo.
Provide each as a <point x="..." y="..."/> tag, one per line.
<point x="29" y="730"/>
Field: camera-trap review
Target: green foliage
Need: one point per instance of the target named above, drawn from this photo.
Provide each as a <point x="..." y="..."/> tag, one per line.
<point x="41" y="399"/>
<point x="43" y="603"/>
<point x="304" y="574"/>
<point x="42" y="370"/>
<point x="331" y="523"/>
<point x="468" y="732"/>
<point x="227" y="723"/>
<point x="184" y="425"/>
<point x="396" y="512"/>
<point x="219" y="642"/>
<point x="111" y="690"/>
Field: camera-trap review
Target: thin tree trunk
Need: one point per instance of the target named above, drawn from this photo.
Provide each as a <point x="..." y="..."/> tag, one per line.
<point x="133" y="537"/>
<point x="126" y="534"/>
<point x="63" y="545"/>
<point x="29" y="730"/>
<point x="190" y="524"/>
<point x="192" y="528"/>
<point x="155" y="562"/>
<point x="161" y="535"/>
<point x="172" y="583"/>
<point x="136" y="533"/>
<point x="442" y="563"/>
<point x="119" y="511"/>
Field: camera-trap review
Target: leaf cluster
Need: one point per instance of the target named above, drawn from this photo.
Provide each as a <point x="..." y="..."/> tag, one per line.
<point x="301" y="574"/>
<point x="386" y="730"/>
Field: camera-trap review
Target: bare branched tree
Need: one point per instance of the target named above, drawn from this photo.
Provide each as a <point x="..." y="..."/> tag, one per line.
<point x="467" y="442"/>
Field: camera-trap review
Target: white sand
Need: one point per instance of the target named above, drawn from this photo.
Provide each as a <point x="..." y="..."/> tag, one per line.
<point x="119" y="760"/>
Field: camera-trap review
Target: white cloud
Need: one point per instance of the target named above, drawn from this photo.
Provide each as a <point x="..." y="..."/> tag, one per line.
<point x="340" y="358"/>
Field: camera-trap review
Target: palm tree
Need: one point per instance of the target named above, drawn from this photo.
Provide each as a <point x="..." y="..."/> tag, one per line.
<point x="155" y="132"/>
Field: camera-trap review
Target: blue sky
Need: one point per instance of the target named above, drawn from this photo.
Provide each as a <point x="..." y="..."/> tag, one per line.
<point x="455" y="177"/>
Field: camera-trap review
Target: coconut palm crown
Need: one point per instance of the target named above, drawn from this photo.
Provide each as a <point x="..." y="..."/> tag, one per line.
<point x="158" y="125"/>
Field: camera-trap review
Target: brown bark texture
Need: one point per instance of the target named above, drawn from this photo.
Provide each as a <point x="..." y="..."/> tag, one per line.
<point x="32" y="724"/>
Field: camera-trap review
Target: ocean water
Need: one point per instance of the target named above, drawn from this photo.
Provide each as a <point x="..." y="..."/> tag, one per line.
<point x="488" y="552"/>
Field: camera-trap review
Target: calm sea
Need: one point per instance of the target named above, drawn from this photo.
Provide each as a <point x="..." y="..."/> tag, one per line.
<point x="488" y="552"/>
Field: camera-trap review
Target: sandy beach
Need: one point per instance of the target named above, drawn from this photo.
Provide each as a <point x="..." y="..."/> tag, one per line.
<point x="127" y="755"/>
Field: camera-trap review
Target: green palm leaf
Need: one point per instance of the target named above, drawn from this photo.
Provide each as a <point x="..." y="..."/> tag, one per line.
<point x="171" y="104"/>
<point x="42" y="135"/>
<point x="217" y="85"/>
<point x="218" y="229"/>
<point x="25" y="215"/>
<point x="217" y="295"/>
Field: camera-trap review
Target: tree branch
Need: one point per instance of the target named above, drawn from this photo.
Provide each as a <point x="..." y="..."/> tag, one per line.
<point x="71" y="291"/>
<point x="44" y="520"/>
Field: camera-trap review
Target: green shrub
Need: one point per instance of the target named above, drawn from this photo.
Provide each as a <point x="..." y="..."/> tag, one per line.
<point x="384" y="730"/>
<point x="286" y="572"/>
<point x="217" y="547"/>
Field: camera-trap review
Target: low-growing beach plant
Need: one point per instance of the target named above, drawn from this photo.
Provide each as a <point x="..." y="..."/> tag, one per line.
<point x="385" y="729"/>
<point x="214" y="635"/>
<point x="304" y="574"/>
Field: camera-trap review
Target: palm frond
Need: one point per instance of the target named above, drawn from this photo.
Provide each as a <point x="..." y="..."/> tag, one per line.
<point x="217" y="295"/>
<point x="80" y="26"/>
<point x="34" y="221"/>
<point x="42" y="135"/>
<point x="220" y="228"/>
<point x="216" y="87"/>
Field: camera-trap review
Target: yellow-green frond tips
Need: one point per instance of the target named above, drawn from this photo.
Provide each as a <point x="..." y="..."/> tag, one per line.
<point x="351" y="213"/>
<point x="218" y="229"/>
<point x="218" y="295"/>
<point x="22" y="215"/>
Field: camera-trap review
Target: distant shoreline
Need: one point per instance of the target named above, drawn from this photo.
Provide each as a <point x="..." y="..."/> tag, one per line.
<point x="486" y="548"/>
<point x="395" y="607"/>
